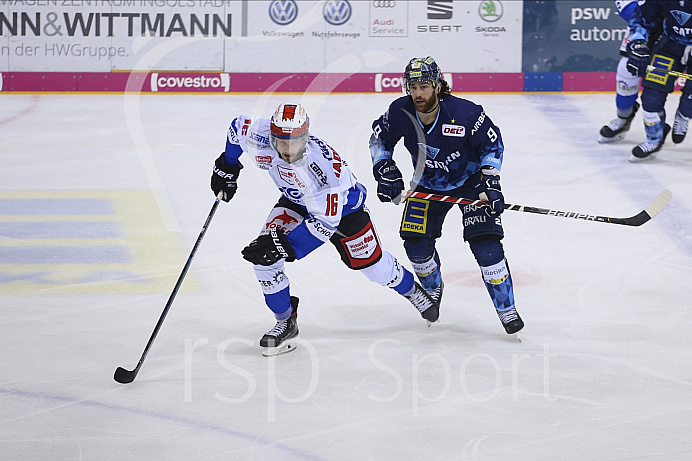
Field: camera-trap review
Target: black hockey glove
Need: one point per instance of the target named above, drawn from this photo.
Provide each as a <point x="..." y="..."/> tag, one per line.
<point x="489" y="191"/>
<point x="390" y="183"/>
<point x="638" y="57"/>
<point x="224" y="178"/>
<point x="267" y="249"/>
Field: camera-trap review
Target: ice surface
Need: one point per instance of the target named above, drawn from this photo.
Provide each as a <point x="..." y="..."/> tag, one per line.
<point x="103" y="196"/>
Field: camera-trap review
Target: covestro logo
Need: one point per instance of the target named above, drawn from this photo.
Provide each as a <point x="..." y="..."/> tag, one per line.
<point x="194" y="83"/>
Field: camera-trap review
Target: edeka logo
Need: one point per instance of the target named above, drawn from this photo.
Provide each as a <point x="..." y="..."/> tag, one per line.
<point x="490" y="10"/>
<point x="198" y="83"/>
<point x="383" y="83"/>
<point x="337" y="12"/>
<point x="283" y="12"/>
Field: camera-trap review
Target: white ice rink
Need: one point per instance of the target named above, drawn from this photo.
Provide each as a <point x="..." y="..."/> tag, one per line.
<point x="103" y="196"/>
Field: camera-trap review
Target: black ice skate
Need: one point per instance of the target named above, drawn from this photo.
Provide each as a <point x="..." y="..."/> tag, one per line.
<point x="647" y="150"/>
<point x="436" y="294"/>
<point x="616" y="129"/>
<point x="275" y="341"/>
<point x="510" y="320"/>
<point x="422" y="301"/>
<point x="680" y="127"/>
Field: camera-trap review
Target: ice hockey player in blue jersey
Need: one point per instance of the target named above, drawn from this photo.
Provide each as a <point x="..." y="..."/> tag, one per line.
<point x="670" y="52"/>
<point x="456" y="150"/>
<point x="321" y="201"/>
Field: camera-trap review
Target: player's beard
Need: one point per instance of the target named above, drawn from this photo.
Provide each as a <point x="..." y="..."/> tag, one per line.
<point x="429" y="104"/>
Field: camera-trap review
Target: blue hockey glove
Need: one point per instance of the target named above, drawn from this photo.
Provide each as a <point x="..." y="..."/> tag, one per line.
<point x="267" y="249"/>
<point x="489" y="191"/>
<point x="638" y="57"/>
<point x="224" y="178"/>
<point x="390" y="183"/>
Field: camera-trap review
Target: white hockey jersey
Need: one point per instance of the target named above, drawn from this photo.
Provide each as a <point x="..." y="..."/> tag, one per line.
<point x="321" y="182"/>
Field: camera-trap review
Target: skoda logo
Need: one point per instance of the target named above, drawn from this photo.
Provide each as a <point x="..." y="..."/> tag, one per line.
<point x="283" y="12"/>
<point x="337" y="12"/>
<point x="383" y="4"/>
<point x="490" y="10"/>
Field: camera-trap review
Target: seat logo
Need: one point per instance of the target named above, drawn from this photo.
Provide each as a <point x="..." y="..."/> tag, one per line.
<point x="440" y="9"/>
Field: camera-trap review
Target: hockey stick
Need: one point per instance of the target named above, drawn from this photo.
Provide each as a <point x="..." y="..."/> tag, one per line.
<point x="124" y="376"/>
<point x="640" y="218"/>
<point x="669" y="72"/>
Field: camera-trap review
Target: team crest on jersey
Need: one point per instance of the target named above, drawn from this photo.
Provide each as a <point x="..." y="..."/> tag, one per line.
<point x="429" y="150"/>
<point x="286" y="174"/>
<point x="680" y="16"/>
<point x="289" y="176"/>
<point x="458" y="131"/>
<point x="263" y="161"/>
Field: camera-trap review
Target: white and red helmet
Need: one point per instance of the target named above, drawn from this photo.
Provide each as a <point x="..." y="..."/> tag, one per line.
<point x="290" y="122"/>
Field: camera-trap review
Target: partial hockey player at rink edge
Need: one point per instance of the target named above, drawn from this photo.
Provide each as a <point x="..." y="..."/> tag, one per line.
<point x="671" y="52"/>
<point x="627" y="85"/>
<point x="321" y="201"/>
<point x="456" y="150"/>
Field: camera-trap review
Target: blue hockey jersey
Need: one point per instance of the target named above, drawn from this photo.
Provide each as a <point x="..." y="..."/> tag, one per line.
<point x="460" y="141"/>
<point x="677" y="24"/>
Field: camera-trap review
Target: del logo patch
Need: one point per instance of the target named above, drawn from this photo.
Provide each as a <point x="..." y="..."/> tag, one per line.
<point x="453" y="130"/>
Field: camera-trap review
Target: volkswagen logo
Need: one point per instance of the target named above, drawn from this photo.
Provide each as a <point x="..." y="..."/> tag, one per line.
<point x="337" y="12"/>
<point x="283" y="12"/>
<point x="383" y="3"/>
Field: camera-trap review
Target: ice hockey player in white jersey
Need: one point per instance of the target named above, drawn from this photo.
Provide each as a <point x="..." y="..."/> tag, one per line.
<point x="627" y="86"/>
<point x="321" y="201"/>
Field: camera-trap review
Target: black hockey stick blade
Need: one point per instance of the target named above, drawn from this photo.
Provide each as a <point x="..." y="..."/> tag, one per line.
<point x="124" y="376"/>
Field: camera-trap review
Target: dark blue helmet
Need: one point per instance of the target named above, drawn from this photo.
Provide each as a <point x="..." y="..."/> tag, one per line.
<point x="421" y="70"/>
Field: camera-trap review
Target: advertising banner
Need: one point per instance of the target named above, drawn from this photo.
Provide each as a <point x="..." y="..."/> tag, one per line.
<point x="110" y="35"/>
<point x="239" y="36"/>
<point x="571" y="36"/>
<point x="377" y="36"/>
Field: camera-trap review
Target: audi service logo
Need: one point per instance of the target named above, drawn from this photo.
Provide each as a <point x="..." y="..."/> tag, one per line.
<point x="199" y="83"/>
<point x="490" y="10"/>
<point x="337" y="12"/>
<point x="283" y="12"/>
<point x="386" y="84"/>
<point x="440" y="9"/>
<point x="388" y="18"/>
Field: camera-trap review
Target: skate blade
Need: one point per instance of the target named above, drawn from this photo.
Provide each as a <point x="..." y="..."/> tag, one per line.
<point x="634" y="159"/>
<point x="616" y="138"/>
<point x="285" y="348"/>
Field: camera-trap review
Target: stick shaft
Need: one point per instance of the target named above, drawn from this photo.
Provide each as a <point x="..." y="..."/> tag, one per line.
<point x="125" y="376"/>
<point x="637" y="220"/>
